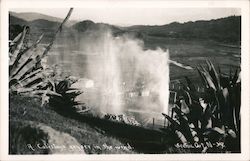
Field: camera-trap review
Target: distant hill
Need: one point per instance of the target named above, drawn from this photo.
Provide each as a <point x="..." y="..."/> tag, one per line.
<point x="13" y="20"/>
<point x="37" y="23"/>
<point x="88" y="25"/>
<point x="37" y="27"/>
<point x="15" y="26"/>
<point x="42" y="24"/>
<point x="31" y="16"/>
<point x="226" y="29"/>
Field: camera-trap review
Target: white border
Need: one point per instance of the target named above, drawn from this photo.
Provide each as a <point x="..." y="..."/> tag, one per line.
<point x="243" y="4"/>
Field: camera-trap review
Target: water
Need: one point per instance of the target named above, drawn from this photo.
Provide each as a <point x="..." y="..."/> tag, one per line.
<point x="126" y="77"/>
<point x="110" y="79"/>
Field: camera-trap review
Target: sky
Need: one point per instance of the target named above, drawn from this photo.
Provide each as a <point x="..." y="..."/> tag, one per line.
<point x="137" y="16"/>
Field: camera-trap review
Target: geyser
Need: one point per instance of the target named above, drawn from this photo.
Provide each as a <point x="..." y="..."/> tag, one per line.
<point x="109" y="82"/>
<point x="126" y="76"/>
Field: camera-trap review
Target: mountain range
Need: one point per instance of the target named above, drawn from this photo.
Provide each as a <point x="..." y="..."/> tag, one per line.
<point x="226" y="29"/>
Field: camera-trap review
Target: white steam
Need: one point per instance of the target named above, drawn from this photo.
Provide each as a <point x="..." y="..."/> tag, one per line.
<point x="126" y="77"/>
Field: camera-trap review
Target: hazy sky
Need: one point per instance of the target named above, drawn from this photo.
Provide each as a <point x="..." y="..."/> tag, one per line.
<point x="138" y="16"/>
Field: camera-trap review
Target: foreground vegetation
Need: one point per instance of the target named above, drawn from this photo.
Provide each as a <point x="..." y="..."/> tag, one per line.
<point x="212" y="115"/>
<point x="23" y="109"/>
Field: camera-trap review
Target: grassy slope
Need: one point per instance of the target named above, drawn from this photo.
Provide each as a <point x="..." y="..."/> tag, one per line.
<point x="28" y="109"/>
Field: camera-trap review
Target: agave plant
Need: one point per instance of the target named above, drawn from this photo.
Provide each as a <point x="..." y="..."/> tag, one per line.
<point x="29" y="75"/>
<point x="225" y="93"/>
<point x="26" y="72"/>
<point x="66" y="100"/>
<point x="212" y="115"/>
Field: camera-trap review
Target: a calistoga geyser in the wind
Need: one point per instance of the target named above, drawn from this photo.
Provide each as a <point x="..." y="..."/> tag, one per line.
<point x="126" y="76"/>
